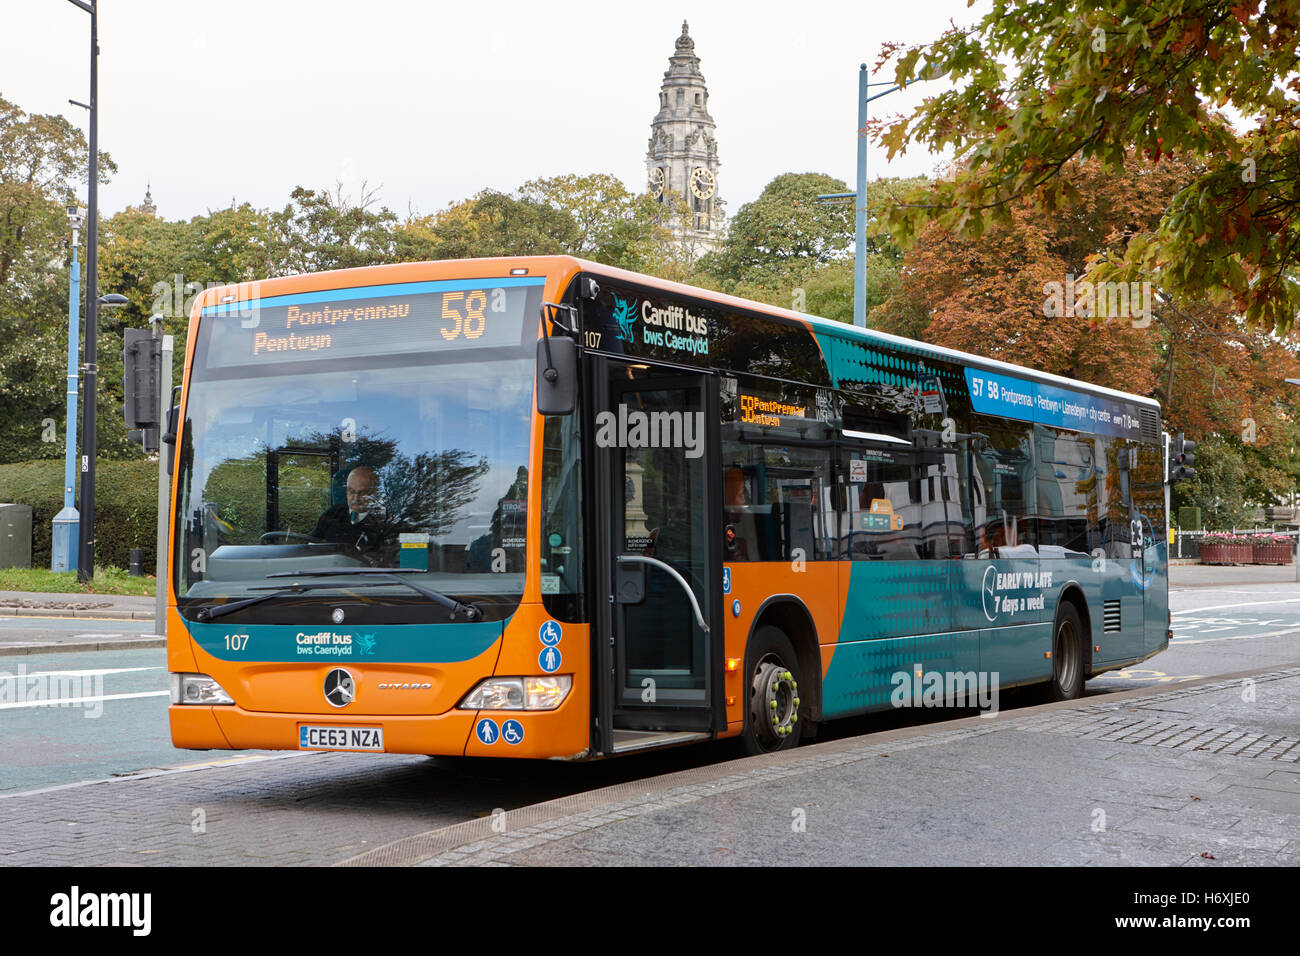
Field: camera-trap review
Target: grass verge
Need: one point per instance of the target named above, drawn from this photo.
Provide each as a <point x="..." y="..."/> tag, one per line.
<point x="106" y="581"/>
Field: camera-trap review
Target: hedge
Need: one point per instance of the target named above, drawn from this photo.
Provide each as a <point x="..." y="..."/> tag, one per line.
<point x="126" y="507"/>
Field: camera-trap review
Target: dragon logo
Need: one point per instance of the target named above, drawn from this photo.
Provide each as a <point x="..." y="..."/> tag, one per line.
<point x="625" y="313"/>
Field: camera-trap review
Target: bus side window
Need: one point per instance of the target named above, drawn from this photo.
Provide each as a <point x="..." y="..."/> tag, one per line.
<point x="776" y="482"/>
<point x="1003" y="454"/>
<point x="1067" y="493"/>
<point x="884" y="515"/>
<point x="1113" y="506"/>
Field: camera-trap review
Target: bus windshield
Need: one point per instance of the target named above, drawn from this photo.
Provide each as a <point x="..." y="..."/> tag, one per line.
<point x="415" y="461"/>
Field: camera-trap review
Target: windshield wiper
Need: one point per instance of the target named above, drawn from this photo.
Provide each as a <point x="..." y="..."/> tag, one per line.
<point x="217" y="610"/>
<point x="390" y="576"/>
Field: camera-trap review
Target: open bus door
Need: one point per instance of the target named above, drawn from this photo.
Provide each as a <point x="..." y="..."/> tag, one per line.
<point x="655" y="479"/>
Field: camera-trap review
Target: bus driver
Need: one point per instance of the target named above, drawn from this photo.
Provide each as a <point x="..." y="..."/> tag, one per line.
<point x="358" y="521"/>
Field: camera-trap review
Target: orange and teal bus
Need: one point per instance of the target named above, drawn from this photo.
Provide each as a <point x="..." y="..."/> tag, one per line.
<point x="539" y="507"/>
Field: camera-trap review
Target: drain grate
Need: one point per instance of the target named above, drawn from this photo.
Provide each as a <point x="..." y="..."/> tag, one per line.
<point x="1171" y="735"/>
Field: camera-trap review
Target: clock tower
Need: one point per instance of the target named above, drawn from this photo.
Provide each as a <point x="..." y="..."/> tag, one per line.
<point x="683" y="155"/>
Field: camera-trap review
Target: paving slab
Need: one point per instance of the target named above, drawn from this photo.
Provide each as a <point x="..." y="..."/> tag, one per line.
<point x="1030" y="787"/>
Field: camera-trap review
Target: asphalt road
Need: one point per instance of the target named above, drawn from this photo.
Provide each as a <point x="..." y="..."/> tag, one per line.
<point x="1219" y="630"/>
<point x="111" y="718"/>
<point x="83" y="716"/>
<point x="103" y="716"/>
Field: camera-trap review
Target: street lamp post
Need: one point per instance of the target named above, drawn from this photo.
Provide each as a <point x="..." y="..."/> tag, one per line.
<point x="860" y="198"/>
<point x="86" y="529"/>
<point x="63" y="554"/>
<point x="1296" y="558"/>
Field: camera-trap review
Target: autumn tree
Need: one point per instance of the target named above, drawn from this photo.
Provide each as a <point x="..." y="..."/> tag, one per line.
<point x="1032" y="86"/>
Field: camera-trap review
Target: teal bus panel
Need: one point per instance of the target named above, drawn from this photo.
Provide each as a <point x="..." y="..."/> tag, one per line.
<point x="374" y="644"/>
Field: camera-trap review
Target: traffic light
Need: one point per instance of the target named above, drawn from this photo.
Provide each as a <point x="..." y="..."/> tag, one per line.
<point x="1181" y="459"/>
<point x="141" y="373"/>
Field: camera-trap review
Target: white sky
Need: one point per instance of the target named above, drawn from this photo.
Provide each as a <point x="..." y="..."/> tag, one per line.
<point x="434" y="101"/>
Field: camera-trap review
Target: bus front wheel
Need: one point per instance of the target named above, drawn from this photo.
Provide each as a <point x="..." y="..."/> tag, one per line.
<point x="1067" y="654"/>
<point x="772" y="696"/>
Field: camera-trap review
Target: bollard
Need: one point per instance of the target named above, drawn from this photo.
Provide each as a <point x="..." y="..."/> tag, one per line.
<point x="137" y="559"/>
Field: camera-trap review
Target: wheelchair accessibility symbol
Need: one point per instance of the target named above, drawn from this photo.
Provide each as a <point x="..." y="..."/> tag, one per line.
<point x="512" y="732"/>
<point x="549" y="634"/>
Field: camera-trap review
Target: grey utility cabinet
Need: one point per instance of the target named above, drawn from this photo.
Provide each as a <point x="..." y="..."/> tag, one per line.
<point x="15" y="536"/>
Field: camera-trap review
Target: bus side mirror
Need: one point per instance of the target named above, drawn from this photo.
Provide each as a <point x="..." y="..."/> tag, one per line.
<point x="557" y="376"/>
<point x="169" y="438"/>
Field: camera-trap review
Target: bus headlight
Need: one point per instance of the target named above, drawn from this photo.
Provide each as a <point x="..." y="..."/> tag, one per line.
<point x="518" y="693"/>
<point x="545" y="693"/>
<point x="198" y="689"/>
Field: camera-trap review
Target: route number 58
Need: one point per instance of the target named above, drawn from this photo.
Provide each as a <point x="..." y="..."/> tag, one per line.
<point x="465" y="313"/>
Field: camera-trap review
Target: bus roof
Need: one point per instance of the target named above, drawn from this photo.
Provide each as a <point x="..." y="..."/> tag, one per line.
<point x="564" y="268"/>
<point x="853" y="332"/>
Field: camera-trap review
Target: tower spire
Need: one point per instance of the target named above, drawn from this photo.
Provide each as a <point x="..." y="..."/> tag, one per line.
<point x="682" y="157"/>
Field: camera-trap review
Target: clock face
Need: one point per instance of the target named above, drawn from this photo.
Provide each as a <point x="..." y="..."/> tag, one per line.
<point x="702" y="183"/>
<point x="656" y="182"/>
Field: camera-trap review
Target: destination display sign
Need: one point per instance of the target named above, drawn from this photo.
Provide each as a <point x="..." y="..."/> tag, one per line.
<point x="372" y="320"/>
<point x="1011" y="397"/>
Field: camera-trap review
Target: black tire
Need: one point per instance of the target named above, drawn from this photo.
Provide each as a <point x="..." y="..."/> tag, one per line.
<point x="771" y="693"/>
<point x="1068" y="654"/>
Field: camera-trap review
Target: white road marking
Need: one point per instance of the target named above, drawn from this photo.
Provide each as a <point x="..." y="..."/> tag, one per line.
<point x="1156" y="677"/>
<point x="1237" y="637"/>
<point x="70" y="701"/>
<point x="115" y="634"/>
<point x="1222" y="607"/>
<point x="82" y="673"/>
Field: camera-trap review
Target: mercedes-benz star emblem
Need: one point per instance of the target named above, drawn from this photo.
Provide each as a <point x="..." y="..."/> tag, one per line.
<point x="337" y="615"/>
<point x="339" y="687"/>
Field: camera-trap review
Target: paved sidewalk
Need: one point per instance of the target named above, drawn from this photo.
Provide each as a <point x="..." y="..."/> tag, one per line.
<point x="120" y="607"/>
<point x="1207" y="774"/>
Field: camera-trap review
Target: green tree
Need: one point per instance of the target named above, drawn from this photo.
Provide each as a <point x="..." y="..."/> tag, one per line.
<point x="320" y="230"/>
<point x="615" y="226"/>
<point x="43" y="163"/>
<point x="784" y="234"/>
<point x="1032" y="86"/>
<point x="1219" y="488"/>
<point x="496" y="224"/>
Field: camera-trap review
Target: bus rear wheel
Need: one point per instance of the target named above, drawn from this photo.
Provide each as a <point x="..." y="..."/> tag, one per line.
<point x="1067" y="654"/>
<point x="772" y="696"/>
